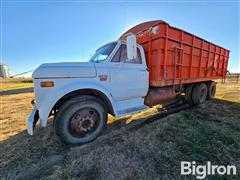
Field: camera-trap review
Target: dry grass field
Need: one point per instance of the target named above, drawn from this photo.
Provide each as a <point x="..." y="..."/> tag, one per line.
<point x="209" y="132"/>
<point x="16" y="108"/>
<point x="229" y="91"/>
<point x="15" y="83"/>
<point x="14" y="112"/>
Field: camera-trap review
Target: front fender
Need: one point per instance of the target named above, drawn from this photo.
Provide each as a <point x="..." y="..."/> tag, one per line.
<point x="50" y="99"/>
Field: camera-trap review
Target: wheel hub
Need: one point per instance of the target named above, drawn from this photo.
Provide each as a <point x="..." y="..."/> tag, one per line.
<point x="84" y="121"/>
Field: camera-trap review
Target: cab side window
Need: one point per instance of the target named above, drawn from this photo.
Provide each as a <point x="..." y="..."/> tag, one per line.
<point x="139" y="58"/>
<point x="121" y="56"/>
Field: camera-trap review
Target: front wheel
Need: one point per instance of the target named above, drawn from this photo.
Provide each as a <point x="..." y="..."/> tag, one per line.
<point x="80" y="120"/>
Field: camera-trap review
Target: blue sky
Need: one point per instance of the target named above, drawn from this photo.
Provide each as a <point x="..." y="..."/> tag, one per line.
<point x="55" y="31"/>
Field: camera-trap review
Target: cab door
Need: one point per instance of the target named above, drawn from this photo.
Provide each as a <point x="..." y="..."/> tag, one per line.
<point x="129" y="78"/>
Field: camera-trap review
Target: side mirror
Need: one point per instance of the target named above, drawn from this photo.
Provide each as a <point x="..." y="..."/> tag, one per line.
<point x="131" y="47"/>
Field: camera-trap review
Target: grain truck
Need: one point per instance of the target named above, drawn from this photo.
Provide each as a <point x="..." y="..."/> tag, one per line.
<point x="149" y="64"/>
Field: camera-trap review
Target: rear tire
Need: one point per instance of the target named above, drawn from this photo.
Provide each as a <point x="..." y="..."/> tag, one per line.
<point x="188" y="93"/>
<point x="80" y="120"/>
<point x="211" y="90"/>
<point x="199" y="93"/>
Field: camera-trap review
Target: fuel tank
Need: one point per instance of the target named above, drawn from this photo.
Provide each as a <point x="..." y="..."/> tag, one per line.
<point x="159" y="95"/>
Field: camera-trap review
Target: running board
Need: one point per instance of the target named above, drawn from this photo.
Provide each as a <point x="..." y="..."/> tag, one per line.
<point x="131" y="111"/>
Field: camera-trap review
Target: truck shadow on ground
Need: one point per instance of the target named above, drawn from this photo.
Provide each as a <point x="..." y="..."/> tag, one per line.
<point x="150" y="147"/>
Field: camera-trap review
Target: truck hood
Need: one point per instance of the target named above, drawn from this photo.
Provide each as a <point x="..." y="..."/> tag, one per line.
<point x="65" y="70"/>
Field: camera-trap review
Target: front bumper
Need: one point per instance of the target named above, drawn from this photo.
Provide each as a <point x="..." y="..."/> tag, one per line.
<point x="32" y="121"/>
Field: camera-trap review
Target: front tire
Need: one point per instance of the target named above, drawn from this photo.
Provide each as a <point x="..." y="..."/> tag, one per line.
<point x="80" y="120"/>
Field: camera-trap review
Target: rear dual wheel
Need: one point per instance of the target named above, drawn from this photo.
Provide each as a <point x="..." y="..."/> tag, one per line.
<point x="199" y="93"/>
<point x="188" y="93"/>
<point x="211" y="90"/>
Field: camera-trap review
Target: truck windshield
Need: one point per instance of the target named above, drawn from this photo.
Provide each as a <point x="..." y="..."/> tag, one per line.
<point x="102" y="53"/>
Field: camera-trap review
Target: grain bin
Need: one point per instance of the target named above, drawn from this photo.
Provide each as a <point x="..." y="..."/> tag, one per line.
<point x="4" y="71"/>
